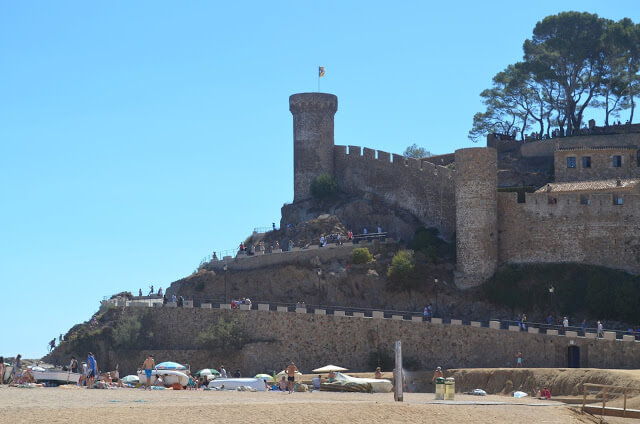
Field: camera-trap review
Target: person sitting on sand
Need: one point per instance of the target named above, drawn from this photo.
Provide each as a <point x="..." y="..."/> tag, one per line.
<point x="546" y="394"/>
<point x="317" y="381"/>
<point x="378" y="373"/>
<point x="332" y="376"/>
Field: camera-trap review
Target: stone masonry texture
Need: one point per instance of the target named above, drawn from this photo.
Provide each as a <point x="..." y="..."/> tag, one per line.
<point x="312" y="138"/>
<point x="316" y="340"/>
<point x="476" y="214"/>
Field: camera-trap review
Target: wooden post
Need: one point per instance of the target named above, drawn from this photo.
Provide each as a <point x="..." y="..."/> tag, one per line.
<point x="397" y="393"/>
<point x="604" y="399"/>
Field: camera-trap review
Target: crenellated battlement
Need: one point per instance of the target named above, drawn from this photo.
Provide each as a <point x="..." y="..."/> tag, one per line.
<point x="420" y="187"/>
<point x="393" y="160"/>
<point x="313" y="102"/>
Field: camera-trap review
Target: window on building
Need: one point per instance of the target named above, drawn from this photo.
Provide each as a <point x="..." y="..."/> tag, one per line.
<point x="617" y="161"/>
<point x="585" y="199"/>
<point x="617" y="199"/>
<point x="571" y="162"/>
<point x="586" y="161"/>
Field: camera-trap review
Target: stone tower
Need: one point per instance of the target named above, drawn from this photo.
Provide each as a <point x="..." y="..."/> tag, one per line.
<point x="476" y="215"/>
<point x="312" y="139"/>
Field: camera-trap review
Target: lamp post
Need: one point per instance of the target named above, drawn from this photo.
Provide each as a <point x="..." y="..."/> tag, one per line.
<point x="225" y="282"/>
<point x="435" y="282"/>
<point x="551" y="291"/>
<point x="318" y="287"/>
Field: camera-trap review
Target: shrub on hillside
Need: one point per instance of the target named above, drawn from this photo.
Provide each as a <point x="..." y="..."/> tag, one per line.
<point x="402" y="266"/>
<point x="324" y="187"/>
<point x="223" y="335"/>
<point x="361" y="255"/>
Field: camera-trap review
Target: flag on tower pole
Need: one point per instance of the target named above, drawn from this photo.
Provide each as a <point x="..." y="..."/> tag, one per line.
<point x="320" y="75"/>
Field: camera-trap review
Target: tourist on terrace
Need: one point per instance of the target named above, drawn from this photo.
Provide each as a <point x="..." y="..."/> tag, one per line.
<point x="139" y="292"/>
<point x="584" y="326"/>
<point x="160" y="292"/>
<point x="350" y="235"/>
<point x="600" y="330"/>
<point x="364" y="230"/>
<point x="565" y="324"/>
<point x="151" y="291"/>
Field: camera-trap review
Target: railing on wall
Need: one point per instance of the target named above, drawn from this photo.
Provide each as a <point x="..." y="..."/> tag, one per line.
<point x="350" y="311"/>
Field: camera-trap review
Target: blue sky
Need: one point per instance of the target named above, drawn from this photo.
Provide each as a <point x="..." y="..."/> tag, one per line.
<point x="136" y="137"/>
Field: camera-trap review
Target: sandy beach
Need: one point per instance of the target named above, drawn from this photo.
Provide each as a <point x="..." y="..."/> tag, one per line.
<point x="60" y="405"/>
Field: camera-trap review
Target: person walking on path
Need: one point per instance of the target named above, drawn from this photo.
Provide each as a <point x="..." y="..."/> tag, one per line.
<point x="291" y="376"/>
<point x="519" y="359"/>
<point x="148" y="366"/>
<point x="600" y="330"/>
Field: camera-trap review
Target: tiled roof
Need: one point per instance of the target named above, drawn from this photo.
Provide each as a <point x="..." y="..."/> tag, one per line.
<point x="589" y="186"/>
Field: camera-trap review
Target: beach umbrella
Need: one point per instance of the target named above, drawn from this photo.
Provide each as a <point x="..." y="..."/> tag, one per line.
<point x="170" y="366"/>
<point x="329" y="368"/>
<point x="265" y="377"/>
<point x="208" y="371"/>
<point x="131" y="379"/>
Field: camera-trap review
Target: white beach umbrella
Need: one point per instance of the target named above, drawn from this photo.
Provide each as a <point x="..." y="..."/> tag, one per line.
<point x="329" y="368"/>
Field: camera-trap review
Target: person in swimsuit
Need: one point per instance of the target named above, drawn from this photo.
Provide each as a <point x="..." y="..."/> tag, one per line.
<point x="519" y="360"/>
<point x="148" y="366"/>
<point x="291" y="376"/>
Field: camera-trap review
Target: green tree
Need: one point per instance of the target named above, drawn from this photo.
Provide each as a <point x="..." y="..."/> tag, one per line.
<point x="324" y="186"/>
<point x="402" y="265"/>
<point x="361" y="255"/>
<point x="567" y="48"/>
<point x="416" y="152"/>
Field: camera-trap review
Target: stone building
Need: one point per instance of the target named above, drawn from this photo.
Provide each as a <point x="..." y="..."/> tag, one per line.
<point x="597" y="222"/>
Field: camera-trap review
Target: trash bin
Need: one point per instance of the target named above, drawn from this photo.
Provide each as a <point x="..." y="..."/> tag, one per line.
<point x="440" y="388"/>
<point x="450" y="388"/>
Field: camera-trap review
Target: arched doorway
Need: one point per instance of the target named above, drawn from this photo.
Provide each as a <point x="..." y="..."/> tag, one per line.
<point x="573" y="357"/>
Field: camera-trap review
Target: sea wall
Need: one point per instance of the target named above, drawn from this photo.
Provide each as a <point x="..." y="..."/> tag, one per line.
<point x="313" y="340"/>
<point x="420" y="187"/>
<point x="552" y="227"/>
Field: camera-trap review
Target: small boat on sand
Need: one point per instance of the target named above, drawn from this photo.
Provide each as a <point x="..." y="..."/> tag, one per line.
<point x="54" y="375"/>
<point x="233" y="383"/>
<point x="169" y="377"/>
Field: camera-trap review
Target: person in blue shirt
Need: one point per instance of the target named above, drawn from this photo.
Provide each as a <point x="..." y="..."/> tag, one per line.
<point x="92" y="369"/>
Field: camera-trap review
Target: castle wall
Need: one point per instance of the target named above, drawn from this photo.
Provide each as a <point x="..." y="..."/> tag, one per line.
<point x="424" y="189"/>
<point x="476" y="215"/>
<point x="565" y="230"/>
<point x="312" y="138"/>
<point x="600" y="161"/>
<point x="547" y="147"/>
<point x="313" y="340"/>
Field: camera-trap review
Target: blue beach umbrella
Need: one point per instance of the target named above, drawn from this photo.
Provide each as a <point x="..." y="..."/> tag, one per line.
<point x="170" y="366"/>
